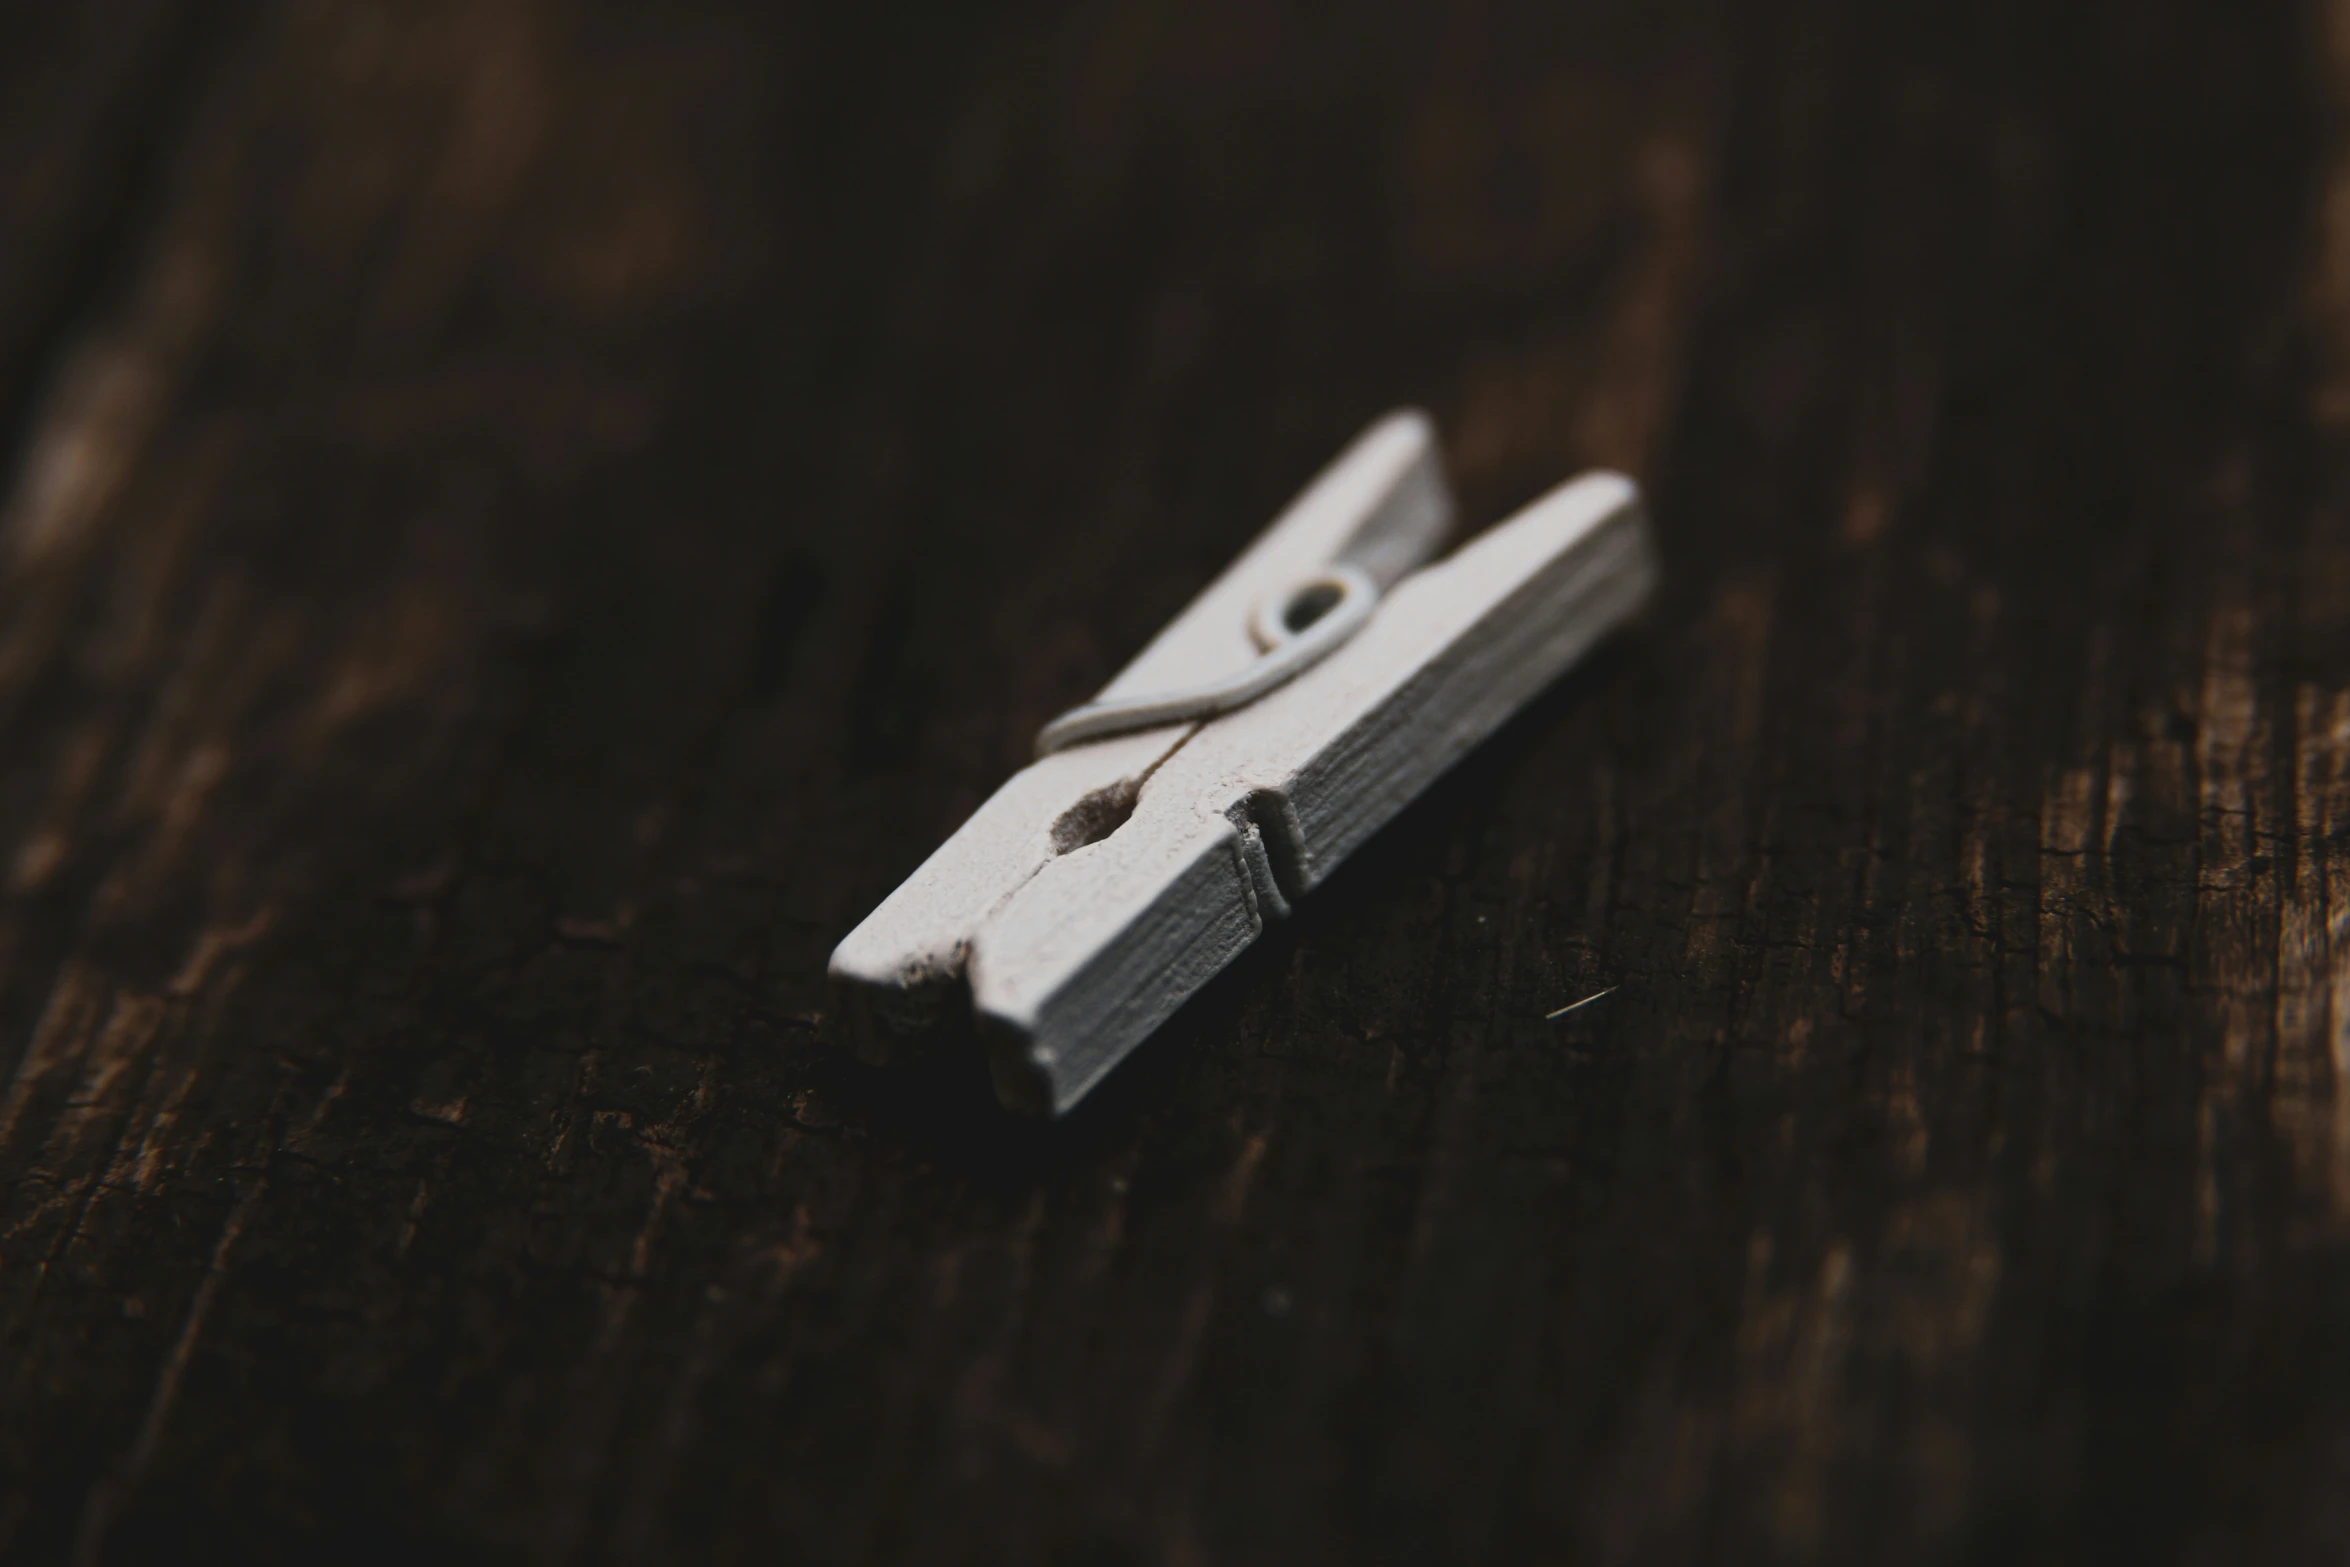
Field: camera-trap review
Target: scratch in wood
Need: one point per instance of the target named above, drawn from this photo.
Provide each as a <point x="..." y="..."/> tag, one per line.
<point x="1176" y="1368"/>
<point x="1577" y="1006"/>
<point x="108" y="1495"/>
<point x="1718" y="867"/>
<point x="111" y="1491"/>
<point x="214" y="943"/>
<point x="63" y="1032"/>
<point x="1181" y="1359"/>
<point x="667" y="1144"/>
<point x="2066" y="827"/>
<point x="140" y="1168"/>
<point x="415" y="1218"/>
<point x="1232" y="1199"/>
<point x="448" y="1113"/>
<point x="129" y="1032"/>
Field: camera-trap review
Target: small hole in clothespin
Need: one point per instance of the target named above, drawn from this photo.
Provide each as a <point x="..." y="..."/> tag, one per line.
<point x="1309" y="604"/>
<point x="1095" y="817"/>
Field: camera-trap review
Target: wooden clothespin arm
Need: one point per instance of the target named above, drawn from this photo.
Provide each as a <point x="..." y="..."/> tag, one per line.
<point x="1106" y="883"/>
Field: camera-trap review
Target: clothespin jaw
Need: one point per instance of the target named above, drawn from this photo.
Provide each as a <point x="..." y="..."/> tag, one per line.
<point x="1104" y="884"/>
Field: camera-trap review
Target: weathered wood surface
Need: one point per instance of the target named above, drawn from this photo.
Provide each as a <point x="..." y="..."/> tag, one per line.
<point x="526" y="519"/>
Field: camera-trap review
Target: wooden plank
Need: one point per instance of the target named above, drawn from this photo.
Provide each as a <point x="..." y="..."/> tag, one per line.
<point x="555" y="511"/>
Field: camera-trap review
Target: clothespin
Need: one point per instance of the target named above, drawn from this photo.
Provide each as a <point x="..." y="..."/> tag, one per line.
<point x="1299" y="702"/>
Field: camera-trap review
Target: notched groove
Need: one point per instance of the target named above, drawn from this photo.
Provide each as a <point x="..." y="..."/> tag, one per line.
<point x="1266" y="817"/>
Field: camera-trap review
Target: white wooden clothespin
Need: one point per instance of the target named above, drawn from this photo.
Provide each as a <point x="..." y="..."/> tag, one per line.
<point x="1279" y="721"/>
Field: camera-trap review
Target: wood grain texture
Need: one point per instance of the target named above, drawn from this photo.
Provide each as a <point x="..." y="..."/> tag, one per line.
<point x="527" y="519"/>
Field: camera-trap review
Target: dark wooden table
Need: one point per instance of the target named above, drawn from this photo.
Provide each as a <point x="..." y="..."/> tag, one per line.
<point x="524" y="519"/>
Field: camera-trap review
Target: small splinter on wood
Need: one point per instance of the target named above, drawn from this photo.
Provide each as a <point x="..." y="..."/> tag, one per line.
<point x="1577" y="1006"/>
<point x="1310" y="693"/>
